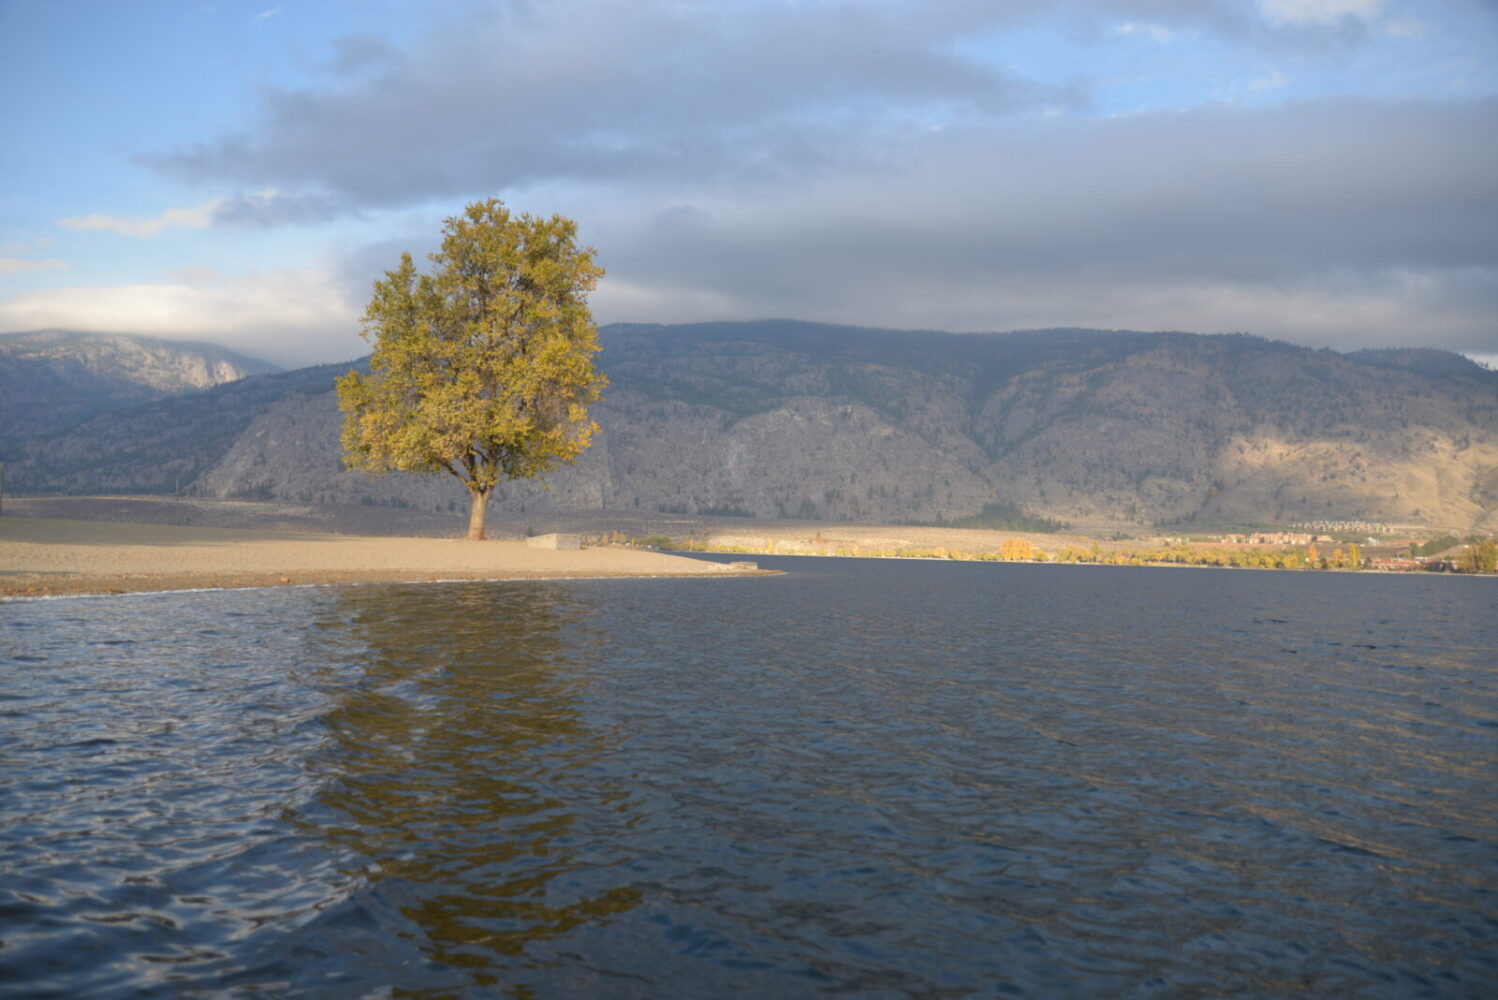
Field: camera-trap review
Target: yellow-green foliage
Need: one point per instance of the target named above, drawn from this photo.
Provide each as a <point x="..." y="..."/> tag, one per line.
<point x="1016" y="549"/>
<point x="1480" y="557"/>
<point x="1021" y="550"/>
<point x="482" y="369"/>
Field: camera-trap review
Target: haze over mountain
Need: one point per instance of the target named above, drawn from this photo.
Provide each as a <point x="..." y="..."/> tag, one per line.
<point x="786" y="419"/>
<point x="53" y="378"/>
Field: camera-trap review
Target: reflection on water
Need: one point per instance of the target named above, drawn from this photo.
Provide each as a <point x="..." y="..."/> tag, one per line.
<point x="885" y="779"/>
<point x="451" y="766"/>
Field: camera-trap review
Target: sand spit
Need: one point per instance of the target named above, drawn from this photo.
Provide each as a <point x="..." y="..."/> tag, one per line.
<point x="42" y="557"/>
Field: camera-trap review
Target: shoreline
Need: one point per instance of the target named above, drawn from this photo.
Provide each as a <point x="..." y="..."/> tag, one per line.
<point x="212" y="588"/>
<point x="391" y="530"/>
<point x="1342" y="571"/>
<point x="44" y="558"/>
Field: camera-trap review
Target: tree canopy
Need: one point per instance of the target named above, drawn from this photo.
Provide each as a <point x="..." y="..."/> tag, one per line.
<point x="483" y="368"/>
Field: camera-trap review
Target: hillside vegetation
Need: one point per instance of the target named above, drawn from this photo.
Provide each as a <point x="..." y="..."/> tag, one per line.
<point x="784" y="419"/>
<point x="51" y="379"/>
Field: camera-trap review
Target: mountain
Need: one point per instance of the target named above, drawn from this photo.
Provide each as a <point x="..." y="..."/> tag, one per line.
<point x="159" y="447"/>
<point x="1424" y="360"/>
<point x="785" y="419"/>
<point x="53" y="379"/>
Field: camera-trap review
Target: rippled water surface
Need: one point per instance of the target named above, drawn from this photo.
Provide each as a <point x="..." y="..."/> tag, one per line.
<point x="859" y="779"/>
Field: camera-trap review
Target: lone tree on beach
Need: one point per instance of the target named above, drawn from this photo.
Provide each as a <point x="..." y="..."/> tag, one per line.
<point x="482" y="369"/>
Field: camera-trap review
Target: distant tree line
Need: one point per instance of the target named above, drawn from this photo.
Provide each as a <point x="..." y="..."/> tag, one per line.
<point x="1002" y="517"/>
<point x="1420" y="550"/>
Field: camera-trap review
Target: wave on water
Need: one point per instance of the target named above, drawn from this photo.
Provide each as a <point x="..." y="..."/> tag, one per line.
<point x="880" y="779"/>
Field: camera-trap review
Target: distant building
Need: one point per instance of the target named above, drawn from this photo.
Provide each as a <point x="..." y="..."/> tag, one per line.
<point x="1280" y="538"/>
<point x="1346" y="527"/>
<point x="1447" y="560"/>
<point x="1269" y="538"/>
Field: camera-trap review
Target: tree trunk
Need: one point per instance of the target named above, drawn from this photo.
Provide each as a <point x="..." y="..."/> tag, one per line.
<point x="476" y="514"/>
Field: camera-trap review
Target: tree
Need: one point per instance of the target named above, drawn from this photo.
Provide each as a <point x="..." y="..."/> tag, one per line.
<point x="1479" y="557"/>
<point x="482" y="369"/>
<point x="1016" y="549"/>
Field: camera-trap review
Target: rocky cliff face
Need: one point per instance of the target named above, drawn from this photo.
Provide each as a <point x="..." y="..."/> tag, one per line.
<point x="53" y="379"/>
<point x="798" y="420"/>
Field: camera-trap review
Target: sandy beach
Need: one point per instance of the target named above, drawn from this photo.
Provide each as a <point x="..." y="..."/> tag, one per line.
<point x="42" y="557"/>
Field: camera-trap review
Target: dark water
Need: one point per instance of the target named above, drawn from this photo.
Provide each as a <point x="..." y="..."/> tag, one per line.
<point x="873" y="779"/>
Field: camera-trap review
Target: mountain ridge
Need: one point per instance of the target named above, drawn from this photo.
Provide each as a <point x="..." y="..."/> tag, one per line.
<point x="53" y="378"/>
<point x="791" y="419"/>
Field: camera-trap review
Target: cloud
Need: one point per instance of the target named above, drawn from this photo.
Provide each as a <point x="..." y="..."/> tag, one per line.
<point x="19" y="265"/>
<point x="270" y="208"/>
<point x="256" y="210"/>
<point x="1319" y="12"/>
<point x="291" y="316"/>
<point x="360" y="53"/>
<point x="507" y="96"/>
<point x="266" y="15"/>
<point x="1406" y="29"/>
<point x="1155" y="32"/>
<point x="880" y="163"/>
<point x="1346" y="223"/>
<point x="196" y="217"/>
<point x="584" y="90"/>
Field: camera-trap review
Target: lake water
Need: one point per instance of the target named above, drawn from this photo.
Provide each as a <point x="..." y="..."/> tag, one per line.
<point x="862" y="779"/>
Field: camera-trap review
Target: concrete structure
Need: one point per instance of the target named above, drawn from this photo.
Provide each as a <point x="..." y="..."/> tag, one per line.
<point x="556" y="540"/>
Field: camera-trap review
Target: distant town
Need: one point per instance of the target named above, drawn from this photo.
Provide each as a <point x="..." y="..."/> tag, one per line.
<point x="1333" y="545"/>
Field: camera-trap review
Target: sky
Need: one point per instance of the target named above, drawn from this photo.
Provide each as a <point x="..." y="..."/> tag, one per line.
<point x="1318" y="171"/>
